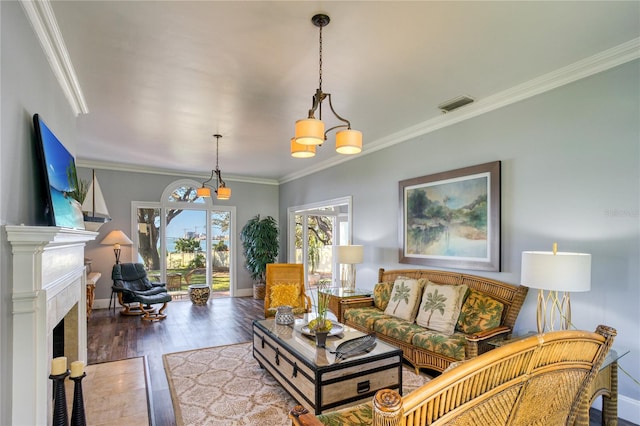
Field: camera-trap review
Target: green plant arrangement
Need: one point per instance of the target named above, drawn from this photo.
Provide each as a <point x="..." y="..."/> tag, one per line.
<point x="260" y="246"/>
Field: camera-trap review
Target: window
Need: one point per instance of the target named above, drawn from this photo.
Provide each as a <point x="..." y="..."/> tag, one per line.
<point x="186" y="239"/>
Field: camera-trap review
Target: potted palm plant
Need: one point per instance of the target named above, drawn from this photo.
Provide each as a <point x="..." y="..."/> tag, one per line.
<point x="260" y="246"/>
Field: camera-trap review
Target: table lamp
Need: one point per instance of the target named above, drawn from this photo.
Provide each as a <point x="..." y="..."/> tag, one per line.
<point x="116" y="238"/>
<point x="555" y="271"/>
<point x="349" y="256"/>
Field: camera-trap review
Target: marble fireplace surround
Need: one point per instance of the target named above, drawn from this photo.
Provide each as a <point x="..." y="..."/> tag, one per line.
<point x="49" y="284"/>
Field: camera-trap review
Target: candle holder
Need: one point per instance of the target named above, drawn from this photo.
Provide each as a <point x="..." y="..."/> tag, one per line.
<point x="78" y="417"/>
<point x="60" y="415"/>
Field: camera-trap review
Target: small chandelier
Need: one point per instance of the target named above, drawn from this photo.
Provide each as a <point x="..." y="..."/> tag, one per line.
<point x="310" y="132"/>
<point x="223" y="192"/>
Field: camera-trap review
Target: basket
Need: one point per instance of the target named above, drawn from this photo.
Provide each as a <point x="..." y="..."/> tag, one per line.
<point x="258" y="291"/>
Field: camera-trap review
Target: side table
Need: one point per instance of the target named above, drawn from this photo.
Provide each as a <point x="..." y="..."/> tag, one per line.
<point x="337" y="294"/>
<point x="605" y="385"/>
<point x="92" y="280"/>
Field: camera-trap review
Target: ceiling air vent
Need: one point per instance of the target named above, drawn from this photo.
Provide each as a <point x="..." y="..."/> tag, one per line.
<point x="455" y="103"/>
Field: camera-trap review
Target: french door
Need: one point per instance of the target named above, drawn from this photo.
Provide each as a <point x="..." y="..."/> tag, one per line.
<point x="314" y="231"/>
<point x="186" y="240"/>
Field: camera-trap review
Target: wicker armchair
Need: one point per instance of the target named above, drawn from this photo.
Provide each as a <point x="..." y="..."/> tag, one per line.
<point x="285" y="286"/>
<point x="543" y="379"/>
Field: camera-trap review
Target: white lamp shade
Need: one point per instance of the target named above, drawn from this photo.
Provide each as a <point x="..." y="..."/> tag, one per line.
<point x="557" y="272"/>
<point x="350" y="255"/>
<point x="349" y="141"/>
<point x="310" y="131"/>
<point x="116" y="237"/>
<point x="299" y="150"/>
<point x="224" y="193"/>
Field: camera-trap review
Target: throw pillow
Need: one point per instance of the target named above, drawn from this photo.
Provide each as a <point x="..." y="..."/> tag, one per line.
<point x="285" y="294"/>
<point x="405" y="298"/>
<point x="440" y="307"/>
<point x="382" y="294"/>
<point x="479" y="313"/>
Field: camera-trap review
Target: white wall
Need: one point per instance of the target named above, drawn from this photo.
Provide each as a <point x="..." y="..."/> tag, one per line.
<point x="570" y="173"/>
<point x="28" y="86"/>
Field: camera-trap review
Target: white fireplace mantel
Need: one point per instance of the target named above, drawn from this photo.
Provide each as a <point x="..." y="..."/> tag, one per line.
<point x="49" y="284"/>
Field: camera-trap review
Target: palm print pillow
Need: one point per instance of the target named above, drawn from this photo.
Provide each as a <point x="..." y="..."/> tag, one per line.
<point x="440" y="307"/>
<point x="479" y="313"/>
<point x="405" y="298"/>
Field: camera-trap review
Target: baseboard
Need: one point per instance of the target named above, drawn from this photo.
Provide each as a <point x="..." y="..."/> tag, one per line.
<point x="629" y="409"/>
<point x="104" y="303"/>
<point x="243" y="292"/>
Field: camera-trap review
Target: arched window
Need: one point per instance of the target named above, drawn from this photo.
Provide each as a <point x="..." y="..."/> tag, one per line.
<point x="184" y="239"/>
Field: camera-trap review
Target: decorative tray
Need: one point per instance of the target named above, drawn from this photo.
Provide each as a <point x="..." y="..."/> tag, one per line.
<point x="335" y="329"/>
<point x="356" y="346"/>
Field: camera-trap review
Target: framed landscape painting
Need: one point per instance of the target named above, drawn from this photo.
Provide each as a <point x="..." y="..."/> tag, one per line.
<point x="452" y="219"/>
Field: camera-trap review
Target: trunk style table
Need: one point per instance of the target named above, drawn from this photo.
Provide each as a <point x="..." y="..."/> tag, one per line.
<point x="313" y="376"/>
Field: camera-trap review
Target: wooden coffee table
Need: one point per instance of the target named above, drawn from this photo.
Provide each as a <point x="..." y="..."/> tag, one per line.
<point x="313" y="377"/>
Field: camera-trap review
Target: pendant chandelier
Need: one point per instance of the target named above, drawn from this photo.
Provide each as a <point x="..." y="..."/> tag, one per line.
<point x="310" y="132"/>
<point x="222" y="191"/>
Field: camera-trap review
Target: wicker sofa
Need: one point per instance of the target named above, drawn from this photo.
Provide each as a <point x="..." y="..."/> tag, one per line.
<point x="425" y="348"/>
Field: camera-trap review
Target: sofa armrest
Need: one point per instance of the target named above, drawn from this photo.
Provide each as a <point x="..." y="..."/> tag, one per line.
<point x="356" y="302"/>
<point x="488" y="334"/>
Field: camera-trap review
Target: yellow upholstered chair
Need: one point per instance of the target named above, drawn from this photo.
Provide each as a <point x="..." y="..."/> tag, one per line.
<point x="285" y="286"/>
<point x="539" y="380"/>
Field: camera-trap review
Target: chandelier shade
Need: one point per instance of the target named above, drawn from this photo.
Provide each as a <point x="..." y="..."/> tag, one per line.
<point x="299" y="150"/>
<point x="203" y="192"/>
<point x="311" y="130"/>
<point x="349" y="141"/>
<point x="224" y="193"/>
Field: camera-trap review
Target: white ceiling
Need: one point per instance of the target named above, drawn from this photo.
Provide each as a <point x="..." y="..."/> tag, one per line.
<point x="161" y="77"/>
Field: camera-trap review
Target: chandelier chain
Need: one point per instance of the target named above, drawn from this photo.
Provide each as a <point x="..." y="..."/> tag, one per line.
<point x="320" y="62"/>
<point x="217" y="141"/>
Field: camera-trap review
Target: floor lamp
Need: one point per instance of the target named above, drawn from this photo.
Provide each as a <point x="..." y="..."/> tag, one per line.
<point x="116" y="238"/>
<point x="349" y="256"/>
<point x="555" y="272"/>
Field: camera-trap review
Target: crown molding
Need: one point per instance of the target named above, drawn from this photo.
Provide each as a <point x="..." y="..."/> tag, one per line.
<point x="103" y="165"/>
<point x="610" y="58"/>
<point x="46" y="28"/>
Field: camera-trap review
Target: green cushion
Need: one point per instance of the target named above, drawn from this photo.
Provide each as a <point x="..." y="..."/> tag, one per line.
<point x="397" y="328"/>
<point x="451" y="345"/>
<point x="382" y="294"/>
<point x="479" y="313"/>
<point x="358" y="415"/>
<point x="364" y="317"/>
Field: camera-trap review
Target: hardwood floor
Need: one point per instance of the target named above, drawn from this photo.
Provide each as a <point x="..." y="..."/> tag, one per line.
<point x="222" y="321"/>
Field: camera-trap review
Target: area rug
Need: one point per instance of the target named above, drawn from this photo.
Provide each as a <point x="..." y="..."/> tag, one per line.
<point x="224" y="385"/>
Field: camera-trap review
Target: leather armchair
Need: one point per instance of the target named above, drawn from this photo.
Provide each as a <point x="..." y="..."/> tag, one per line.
<point x="136" y="293"/>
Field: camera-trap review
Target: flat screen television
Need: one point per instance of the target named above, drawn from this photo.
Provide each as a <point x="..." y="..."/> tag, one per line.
<point x="59" y="173"/>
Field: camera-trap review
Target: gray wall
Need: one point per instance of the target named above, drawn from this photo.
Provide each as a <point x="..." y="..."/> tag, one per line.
<point x="570" y="173"/>
<point x="121" y="188"/>
<point x="27" y="86"/>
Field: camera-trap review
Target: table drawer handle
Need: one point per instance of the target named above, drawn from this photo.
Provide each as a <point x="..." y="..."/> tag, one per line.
<point x="295" y="370"/>
<point x="277" y="356"/>
<point x="363" y="387"/>
<point x="262" y="342"/>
